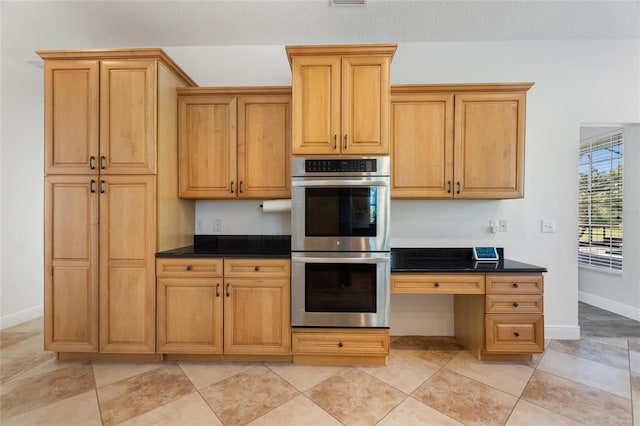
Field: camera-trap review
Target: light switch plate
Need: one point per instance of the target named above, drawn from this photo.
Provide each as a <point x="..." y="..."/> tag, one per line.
<point x="548" y="226"/>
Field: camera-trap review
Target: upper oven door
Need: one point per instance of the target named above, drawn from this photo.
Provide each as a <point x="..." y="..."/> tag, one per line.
<point x="340" y="214"/>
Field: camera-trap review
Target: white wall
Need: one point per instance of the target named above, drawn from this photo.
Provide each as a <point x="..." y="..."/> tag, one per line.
<point x="615" y="291"/>
<point x="576" y="81"/>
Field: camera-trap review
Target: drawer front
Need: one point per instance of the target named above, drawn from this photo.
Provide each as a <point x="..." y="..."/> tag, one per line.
<point x="192" y="267"/>
<point x="514" y="333"/>
<point x="340" y="343"/>
<point x="522" y="283"/>
<point x="513" y="304"/>
<point x="437" y="284"/>
<point x="256" y="267"/>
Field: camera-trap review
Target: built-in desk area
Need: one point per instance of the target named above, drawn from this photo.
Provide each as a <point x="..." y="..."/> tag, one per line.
<point x="498" y="306"/>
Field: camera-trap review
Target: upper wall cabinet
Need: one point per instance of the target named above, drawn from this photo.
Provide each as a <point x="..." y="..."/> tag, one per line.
<point x="235" y="142"/>
<point x="341" y="99"/>
<point x="101" y="110"/>
<point x="458" y="141"/>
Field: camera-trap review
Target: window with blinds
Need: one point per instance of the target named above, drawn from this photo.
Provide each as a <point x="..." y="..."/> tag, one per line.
<point x="600" y="201"/>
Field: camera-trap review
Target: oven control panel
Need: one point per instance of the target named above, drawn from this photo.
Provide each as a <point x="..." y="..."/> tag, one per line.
<point x="340" y="165"/>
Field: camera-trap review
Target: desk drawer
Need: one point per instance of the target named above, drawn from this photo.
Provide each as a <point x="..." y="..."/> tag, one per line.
<point x="513" y="304"/>
<point x="192" y="267"/>
<point x="257" y="267"/>
<point x="514" y="333"/>
<point x="338" y="342"/>
<point x="437" y="284"/>
<point x="513" y="284"/>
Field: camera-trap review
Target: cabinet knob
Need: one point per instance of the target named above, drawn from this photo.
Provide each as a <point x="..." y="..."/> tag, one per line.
<point x="458" y="184"/>
<point x="240" y="187"/>
<point x="335" y="141"/>
<point x="217" y="289"/>
<point x="92" y="162"/>
<point x="517" y="334"/>
<point x="448" y="187"/>
<point x="102" y="160"/>
<point x="228" y="290"/>
<point x="436" y="285"/>
<point x="232" y="187"/>
<point x="515" y="285"/>
<point x="257" y="268"/>
<point x="188" y="268"/>
<point x="340" y="344"/>
<point x="515" y="304"/>
<point x="345" y="141"/>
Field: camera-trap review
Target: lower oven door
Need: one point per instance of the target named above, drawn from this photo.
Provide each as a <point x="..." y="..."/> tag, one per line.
<point x="340" y="289"/>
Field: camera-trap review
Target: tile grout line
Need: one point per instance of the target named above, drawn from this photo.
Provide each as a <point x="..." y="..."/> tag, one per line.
<point x="200" y="394"/>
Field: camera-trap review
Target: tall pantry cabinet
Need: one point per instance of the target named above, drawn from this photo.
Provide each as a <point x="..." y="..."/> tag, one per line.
<point x="111" y="195"/>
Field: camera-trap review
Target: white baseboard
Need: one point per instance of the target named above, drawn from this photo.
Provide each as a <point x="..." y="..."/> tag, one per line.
<point x="562" y="332"/>
<point x="20" y="317"/>
<point x="610" y="305"/>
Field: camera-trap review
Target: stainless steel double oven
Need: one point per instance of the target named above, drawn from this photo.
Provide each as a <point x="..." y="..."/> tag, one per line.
<point x="340" y="242"/>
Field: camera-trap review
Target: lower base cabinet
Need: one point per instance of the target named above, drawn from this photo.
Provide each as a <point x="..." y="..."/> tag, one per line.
<point x="230" y="306"/>
<point x="340" y="346"/>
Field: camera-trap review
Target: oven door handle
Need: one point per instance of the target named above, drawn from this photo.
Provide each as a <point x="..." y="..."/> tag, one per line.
<point x="348" y="260"/>
<point x="332" y="183"/>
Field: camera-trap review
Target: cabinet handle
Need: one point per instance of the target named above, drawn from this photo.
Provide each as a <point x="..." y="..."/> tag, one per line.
<point x="340" y="344"/>
<point x="227" y="289"/>
<point x="458" y="184"/>
<point x="101" y="186"/>
<point x="436" y="285"/>
<point x="449" y="187"/>
<point x="515" y="304"/>
<point x="188" y="268"/>
<point x="217" y="289"/>
<point x="335" y="141"/>
<point x="345" y="141"/>
<point x="517" y="334"/>
<point x="92" y="186"/>
<point x="92" y="162"/>
<point x="232" y="187"/>
<point x="102" y="160"/>
<point x="515" y="285"/>
<point x="241" y="187"/>
<point x="257" y="268"/>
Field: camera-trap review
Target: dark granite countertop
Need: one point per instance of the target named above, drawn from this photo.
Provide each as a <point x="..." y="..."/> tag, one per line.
<point x="271" y="246"/>
<point x="453" y="260"/>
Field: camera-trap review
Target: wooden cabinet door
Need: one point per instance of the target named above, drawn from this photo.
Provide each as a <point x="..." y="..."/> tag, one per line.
<point x="127" y="279"/>
<point x="489" y="145"/>
<point x="257" y="316"/>
<point x="422" y="145"/>
<point x="190" y="315"/>
<point x="264" y="146"/>
<point x="128" y="116"/>
<point x="207" y="147"/>
<point x="365" y="105"/>
<point x="71" y="116"/>
<point x="71" y="264"/>
<point x="316" y="104"/>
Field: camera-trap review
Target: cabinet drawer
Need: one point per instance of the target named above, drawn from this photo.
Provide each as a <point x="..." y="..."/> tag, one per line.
<point x="192" y="267"/>
<point x="522" y="283"/>
<point x="340" y="342"/>
<point x="514" y="333"/>
<point x="513" y="304"/>
<point x="437" y="284"/>
<point x="255" y="267"/>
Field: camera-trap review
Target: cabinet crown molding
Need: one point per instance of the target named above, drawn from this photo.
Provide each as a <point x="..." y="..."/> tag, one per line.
<point x="461" y="87"/>
<point x="234" y="90"/>
<point x="380" y="49"/>
<point x="128" y="53"/>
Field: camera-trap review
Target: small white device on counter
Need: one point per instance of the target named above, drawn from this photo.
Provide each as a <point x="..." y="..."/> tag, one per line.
<point x="485" y="254"/>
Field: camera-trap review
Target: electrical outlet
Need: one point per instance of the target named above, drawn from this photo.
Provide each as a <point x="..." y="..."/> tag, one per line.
<point x="493" y="226"/>
<point x="217" y="227"/>
<point x="503" y="225"/>
<point x="204" y="226"/>
<point x="548" y="226"/>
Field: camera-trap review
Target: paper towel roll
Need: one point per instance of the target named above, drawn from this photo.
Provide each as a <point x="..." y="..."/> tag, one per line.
<point x="270" y="206"/>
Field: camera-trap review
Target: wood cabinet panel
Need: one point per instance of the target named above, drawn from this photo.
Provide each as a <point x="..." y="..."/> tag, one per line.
<point x="513" y="304"/>
<point x="257" y="268"/>
<point x="71" y="116"/>
<point x="515" y="284"/>
<point x="189" y="268"/>
<point x="437" y="284"/>
<point x="514" y="333"/>
<point x="340" y="342"/>
<point x="422" y="145"/>
<point x="190" y="315"/>
<point x="127" y="279"/>
<point x="71" y="267"/>
<point x="128" y="112"/>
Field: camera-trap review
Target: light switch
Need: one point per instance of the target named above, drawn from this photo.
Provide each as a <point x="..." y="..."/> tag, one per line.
<point x="548" y="226"/>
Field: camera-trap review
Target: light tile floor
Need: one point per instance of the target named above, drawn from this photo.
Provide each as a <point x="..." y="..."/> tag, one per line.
<point x="593" y="381"/>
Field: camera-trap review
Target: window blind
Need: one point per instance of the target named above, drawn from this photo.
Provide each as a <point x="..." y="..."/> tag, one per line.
<point x="600" y="201"/>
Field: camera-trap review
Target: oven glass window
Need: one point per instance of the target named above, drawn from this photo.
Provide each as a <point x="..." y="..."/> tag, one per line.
<point x="341" y="212"/>
<point x="340" y="287"/>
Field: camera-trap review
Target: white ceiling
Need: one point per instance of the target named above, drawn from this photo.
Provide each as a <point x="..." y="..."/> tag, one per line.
<point x="55" y="24"/>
